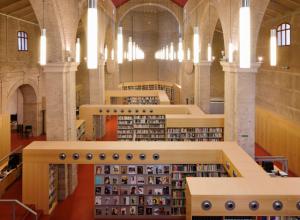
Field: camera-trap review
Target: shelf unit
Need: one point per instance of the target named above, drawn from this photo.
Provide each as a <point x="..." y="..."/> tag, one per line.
<point x="53" y="186"/>
<point x="141" y="128"/>
<point x="146" y="190"/>
<point x="137" y="100"/>
<point x="195" y="134"/>
<point x="172" y="89"/>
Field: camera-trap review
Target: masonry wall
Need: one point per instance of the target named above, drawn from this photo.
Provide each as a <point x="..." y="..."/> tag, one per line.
<point x="20" y="68"/>
<point x="151" y="30"/>
<point x="278" y="88"/>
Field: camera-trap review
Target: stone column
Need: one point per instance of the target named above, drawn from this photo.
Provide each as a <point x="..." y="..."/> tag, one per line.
<point x="202" y="85"/>
<point x="240" y="105"/>
<point x="60" y="101"/>
<point x="61" y="116"/>
<point x="97" y="96"/>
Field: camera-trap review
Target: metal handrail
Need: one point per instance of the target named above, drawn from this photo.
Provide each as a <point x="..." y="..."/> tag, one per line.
<point x="20" y="204"/>
<point x="10" y="153"/>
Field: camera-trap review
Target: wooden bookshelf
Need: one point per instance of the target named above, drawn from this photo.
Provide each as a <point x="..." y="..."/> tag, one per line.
<point x="175" y="116"/>
<point x="133" y="97"/>
<point x="171" y="89"/>
<point x="145" y="190"/>
<point x="251" y="182"/>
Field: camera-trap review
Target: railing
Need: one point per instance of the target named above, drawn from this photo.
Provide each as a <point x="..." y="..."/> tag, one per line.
<point x="10" y="153"/>
<point x="15" y="202"/>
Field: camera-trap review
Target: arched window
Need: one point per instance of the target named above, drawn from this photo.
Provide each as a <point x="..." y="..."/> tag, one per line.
<point x="22" y="41"/>
<point x="284" y="35"/>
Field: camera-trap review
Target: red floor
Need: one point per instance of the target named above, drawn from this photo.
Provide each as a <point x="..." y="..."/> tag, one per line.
<point x="78" y="206"/>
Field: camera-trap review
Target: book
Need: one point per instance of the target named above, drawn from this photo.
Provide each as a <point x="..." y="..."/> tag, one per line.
<point x="132" y="190"/>
<point x="98" y="190"/>
<point x="114" y="211"/>
<point x="123" y="211"/>
<point x="151" y="180"/>
<point x="98" y="180"/>
<point x="140" y="190"/>
<point x="108" y="190"/>
<point x="106" y="169"/>
<point x="98" y="200"/>
<point x="150" y="170"/>
<point x="132" y="180"/>
<point x="132" y="210"/>
<point x="123" y="169"/>
<point x="141" y="200"/>
<point x="125" y="200"/>
<point x="124" y="180"/>
<point x="140" y="180"/>
<point x="148" y="211"/>
<point x="141" y="210"/>
<point x="158" y="191"/>
<point x="115" y="169"/>
<point x="131" y="169"/>
<point x="133" y="200"/>
<point x="98" y="170"/>
<point x="140" y="170"/>
<point x="115" y="190"/>
<point x="106" y="180"/>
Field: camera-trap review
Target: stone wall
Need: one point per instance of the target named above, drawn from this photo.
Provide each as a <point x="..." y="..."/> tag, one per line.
<point x="278" y="88"/>
<point x="151" y="30"/>
<point x="19" y="68"/>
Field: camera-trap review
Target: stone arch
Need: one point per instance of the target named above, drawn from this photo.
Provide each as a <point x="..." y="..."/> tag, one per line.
<point x="30" y="106"/>
<point x="171" y="7"/>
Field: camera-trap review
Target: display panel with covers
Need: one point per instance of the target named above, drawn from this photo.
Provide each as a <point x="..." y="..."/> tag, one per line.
<point x="146" y="190"/>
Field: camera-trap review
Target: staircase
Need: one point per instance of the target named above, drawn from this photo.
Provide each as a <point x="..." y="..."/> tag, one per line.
<point x="15" y="210"/>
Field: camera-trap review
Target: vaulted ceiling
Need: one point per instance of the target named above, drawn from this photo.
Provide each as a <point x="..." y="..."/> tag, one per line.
<point x="119" y="3"/>
<point x="18" y="8"/>
<point x="279" y="8"/>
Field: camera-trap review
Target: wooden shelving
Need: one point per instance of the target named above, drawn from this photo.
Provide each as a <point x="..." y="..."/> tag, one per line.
<point x="195" y="134"/>
<point x="171" y="89"/>
<point x="146" y="190"/>
<point x="141" y="128"/>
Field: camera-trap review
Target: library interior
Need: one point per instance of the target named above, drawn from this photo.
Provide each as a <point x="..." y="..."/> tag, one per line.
<point x="149" y="109"/>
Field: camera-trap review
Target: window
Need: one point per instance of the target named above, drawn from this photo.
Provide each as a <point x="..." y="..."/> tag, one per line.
<point x="284" y="35"/>
<point x="22" y="41"/>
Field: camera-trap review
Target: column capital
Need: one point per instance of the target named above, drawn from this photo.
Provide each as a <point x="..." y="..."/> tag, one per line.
<point x="235" y="68"/>
<point x="60" y="67"/>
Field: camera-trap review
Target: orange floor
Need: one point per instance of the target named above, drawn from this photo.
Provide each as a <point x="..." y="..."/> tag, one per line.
<point x="78" y="206"/>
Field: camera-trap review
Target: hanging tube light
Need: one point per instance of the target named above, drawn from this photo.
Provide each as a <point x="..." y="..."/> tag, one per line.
<point x="209" y="53"/>
<point x="171" y="55"/>
<point x="273" y="48"/>
<point x="43" y="48"/>
<point x="245" y="41"/>
<point x="105" y="53"/>
<point x="120" y="45"/>
<point x="180" y="50"/>
<point x="78" y="50"/>
<point x="196" y="45"/>
<point x="112" y="54"/>
<point x="92" y="38"/>
<point x="129" y="49"/>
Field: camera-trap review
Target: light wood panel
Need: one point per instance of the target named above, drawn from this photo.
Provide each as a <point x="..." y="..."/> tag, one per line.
<point x="5" y="138"/>
<point x="279" y="137"/>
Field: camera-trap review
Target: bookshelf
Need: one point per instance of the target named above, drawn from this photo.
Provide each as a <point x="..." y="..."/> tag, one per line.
<point x="136" y="100"/>
<point x="195" y="134"/>
<point x="53" y="186"/>
<point x="141" y="128"/>
<point x="172" y="89"/>
<point x="80" y="130"/>
<point x="146" y="190"/>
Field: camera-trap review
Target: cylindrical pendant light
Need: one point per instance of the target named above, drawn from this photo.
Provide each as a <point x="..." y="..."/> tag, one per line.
<point x="230" y="52"/>
<point x="171" y="55"/>
<point x="188" y="54"/>
<point x="180" y="50"/>
<point x="112" y="54"/>
<point x="92" y="32"/>
<point x="209" y="53"/>
<point x="43" y="48"/>
<point x="245" y="35"/>
<point x="196" y="45"/>
<point x="105" y="53"/>
<point x="78" y="50"/>
<point x="120" y="45"/>
<point x="133" y="51"/>
<point x="129" y="49"/>
<point x="167" y="52"/>
<point x="273" y="48"/>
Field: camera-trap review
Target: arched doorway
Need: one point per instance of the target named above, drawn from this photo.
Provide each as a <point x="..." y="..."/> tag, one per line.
<point x="22" y="105"/>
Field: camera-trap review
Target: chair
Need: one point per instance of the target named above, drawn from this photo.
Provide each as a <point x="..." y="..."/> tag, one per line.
<point x="28" y="131"/>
